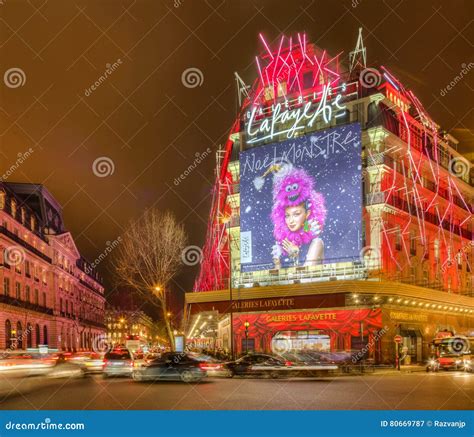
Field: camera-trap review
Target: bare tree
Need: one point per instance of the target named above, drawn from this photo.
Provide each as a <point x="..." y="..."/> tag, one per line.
<point x="149" y="256"/>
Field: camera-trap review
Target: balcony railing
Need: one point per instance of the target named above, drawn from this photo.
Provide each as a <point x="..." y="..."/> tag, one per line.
<point x="350" y="271"/>
<point x="17" y="239"/>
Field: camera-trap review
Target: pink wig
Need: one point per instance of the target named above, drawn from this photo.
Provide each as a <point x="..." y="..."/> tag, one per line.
<point x="296" y="188"/>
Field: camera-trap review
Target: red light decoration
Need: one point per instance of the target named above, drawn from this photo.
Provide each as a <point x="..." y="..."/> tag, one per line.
<point x="282" y="72"/>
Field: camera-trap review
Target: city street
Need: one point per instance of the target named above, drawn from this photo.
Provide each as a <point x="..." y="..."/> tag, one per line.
<point x="444" y="390"/>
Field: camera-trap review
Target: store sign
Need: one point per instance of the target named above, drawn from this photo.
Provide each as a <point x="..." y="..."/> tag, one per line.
<point x="258" y="304"/>
<point x="410" y="317"/>
<point x="302" y="317"/>
<point x="284" y="120"/>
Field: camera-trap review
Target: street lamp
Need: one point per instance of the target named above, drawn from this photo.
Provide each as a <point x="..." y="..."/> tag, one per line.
<point x="246" y="324"/>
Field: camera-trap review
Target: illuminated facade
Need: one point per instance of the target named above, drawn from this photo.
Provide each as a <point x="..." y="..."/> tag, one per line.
<point x="413" y="273"/>
<point x="124" y="324"/>
<point x="49" y="294"/>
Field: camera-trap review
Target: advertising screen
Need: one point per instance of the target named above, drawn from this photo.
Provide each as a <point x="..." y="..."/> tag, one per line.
<point x="301" y="200"/>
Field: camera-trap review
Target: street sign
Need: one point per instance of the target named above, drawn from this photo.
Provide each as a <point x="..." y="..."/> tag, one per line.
<point x="398" y="339"/>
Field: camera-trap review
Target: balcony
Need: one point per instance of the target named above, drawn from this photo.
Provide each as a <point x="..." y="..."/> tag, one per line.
<point x="29" y="247"/>
<point x="327" y="272"/>
<point x="8" y="300"/>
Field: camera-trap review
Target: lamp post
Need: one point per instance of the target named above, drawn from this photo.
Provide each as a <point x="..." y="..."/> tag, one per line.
<point x="246" y="324"/>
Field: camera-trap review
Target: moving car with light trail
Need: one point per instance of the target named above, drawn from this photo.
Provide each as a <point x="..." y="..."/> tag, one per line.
<point x="171" y="366"/>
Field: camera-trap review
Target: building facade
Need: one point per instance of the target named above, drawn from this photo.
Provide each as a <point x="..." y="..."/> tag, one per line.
<point x="412" y="275"/>
<point x="123" y="325"/>
<point x="49" y="294"/>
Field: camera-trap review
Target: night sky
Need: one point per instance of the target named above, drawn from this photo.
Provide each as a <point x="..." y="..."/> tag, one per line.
<point x="151" y="126"/>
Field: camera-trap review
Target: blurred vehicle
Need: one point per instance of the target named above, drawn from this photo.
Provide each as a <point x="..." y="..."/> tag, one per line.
<point x="451" y="353"/>
<point x="171" y="366"/>
<point x="258" y="365"/>
<point x="90" y="362"/>
<point x="270" y="366"/>
<point x="118" y="362"/>
<point x="20" y="364"/>
<point x="211" y="365"/>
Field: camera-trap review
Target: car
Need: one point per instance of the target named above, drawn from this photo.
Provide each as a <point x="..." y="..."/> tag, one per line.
<point x="118" y="362"/>
<point x="259" y="365"/>
<point x="23" y="364"/>
<point x="90" y="362"/>
<point x="212" y="365"/>
<point x="171" y="366"/>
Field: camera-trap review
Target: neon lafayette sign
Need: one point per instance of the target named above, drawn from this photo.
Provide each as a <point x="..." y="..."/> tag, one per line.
<point x="289" y="121"/>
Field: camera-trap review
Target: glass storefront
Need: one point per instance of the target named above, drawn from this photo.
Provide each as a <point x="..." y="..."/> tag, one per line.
<point x="296" y="341"/>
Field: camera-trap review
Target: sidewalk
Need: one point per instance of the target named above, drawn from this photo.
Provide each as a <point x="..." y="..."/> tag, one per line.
<point x="386" y="370"/>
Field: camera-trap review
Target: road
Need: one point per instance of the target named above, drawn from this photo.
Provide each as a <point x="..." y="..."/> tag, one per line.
<point x="406" y="391"/>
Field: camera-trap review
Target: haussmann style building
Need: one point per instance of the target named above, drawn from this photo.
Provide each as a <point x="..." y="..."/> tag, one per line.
<point x="341" y="215"/>
<point x="50" y="296"/>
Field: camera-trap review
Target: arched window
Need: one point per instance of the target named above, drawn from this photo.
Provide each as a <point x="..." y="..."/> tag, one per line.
<point x="45" y="334"/>
<point x="37" y="335"/>
<point x="29" y="336"/>
<point x="8" y="334"/>
<point x="19" y="335"/>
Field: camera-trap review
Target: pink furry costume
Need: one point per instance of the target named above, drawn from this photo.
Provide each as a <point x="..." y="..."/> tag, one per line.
<point x="291" y="190"/>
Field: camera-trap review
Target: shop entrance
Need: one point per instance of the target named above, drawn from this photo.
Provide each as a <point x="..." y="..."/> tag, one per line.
<point x="412" y="345"/>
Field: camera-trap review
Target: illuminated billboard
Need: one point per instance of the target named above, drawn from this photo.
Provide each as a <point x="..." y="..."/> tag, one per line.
<point x="301" y="200"/>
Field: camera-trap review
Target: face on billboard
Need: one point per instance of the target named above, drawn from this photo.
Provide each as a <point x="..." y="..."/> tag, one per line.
<point x="301" y="200"/>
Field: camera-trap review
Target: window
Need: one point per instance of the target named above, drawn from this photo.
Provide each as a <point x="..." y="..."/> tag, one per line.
<point x="67" y="307"/>
<point x="61" y="304"/>
<point x="412" y="243"/>
<point x="37" y="335"/>
<point x="45" y="334"/>
<point x="27" y="293"/>
<point x="436" y="249"/>
<point x="13" y="208"/>
<point x="2" y="199"/>
<point x="8" y="334"/>
<point x="6" y="286"/>
<point x="36" y="297"/>
<point x="18" y="290"/>
<point x="398" y="238"/>
<point x="44" y="299"/>
<point x="19" y="335"/>
<point x="27" y="268"/>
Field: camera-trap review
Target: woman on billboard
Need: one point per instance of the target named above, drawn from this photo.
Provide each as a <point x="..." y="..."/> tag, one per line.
<point x="298" y="216"/>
